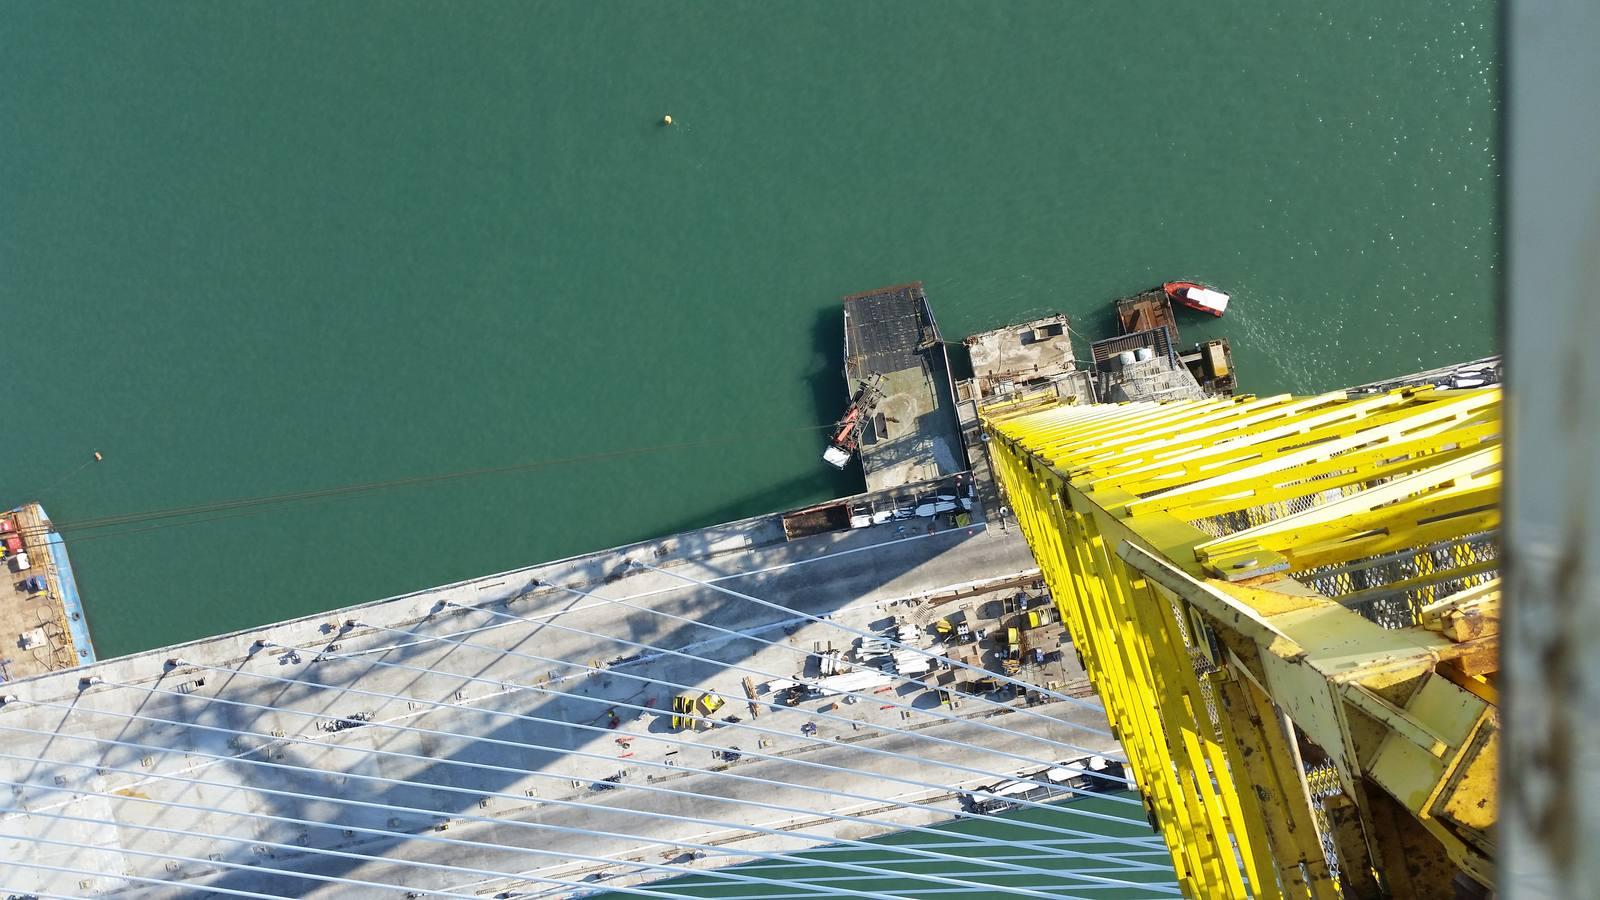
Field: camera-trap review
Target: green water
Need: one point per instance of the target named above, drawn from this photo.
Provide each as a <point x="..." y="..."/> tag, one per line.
<point x="1061" y="875"/>
<point x="256" y="248"/>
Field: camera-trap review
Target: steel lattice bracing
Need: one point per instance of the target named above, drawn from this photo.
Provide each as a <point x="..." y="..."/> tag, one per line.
<point x="1289" y="607"/>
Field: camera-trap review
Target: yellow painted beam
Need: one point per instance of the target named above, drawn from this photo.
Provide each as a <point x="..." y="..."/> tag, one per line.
<point x="1110" y="498"/>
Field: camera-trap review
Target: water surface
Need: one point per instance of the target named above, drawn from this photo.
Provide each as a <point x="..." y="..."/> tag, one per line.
<point x="256" y="248"/>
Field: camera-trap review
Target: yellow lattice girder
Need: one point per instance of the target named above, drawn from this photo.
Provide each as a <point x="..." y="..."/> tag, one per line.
<point x="1317" y="427"/>
<point x="1093" y="429"/>
<point x="1208" y="417"/>
<point x="1097" y="489"/>
<point x="1086" y="451"/>
<point x="1398" y="445"/>
<point x="1129" y="640"/>
<point x="1455" y="497"/>
<point x="1243" y="422"/>
<point x="1282" y="415"/>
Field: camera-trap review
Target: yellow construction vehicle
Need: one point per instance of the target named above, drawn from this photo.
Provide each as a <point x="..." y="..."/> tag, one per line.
<point x="1012" y="661"/>
<point x="695" y="713"/>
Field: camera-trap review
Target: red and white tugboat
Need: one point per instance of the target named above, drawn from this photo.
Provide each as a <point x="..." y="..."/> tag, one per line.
<point x="1197" y="296"/>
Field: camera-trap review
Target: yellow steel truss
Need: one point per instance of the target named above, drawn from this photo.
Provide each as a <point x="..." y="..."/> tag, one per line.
<point x="1183" y="544"/>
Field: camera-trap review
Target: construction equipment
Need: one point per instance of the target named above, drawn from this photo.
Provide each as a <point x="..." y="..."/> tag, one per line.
<point x="985" y="685"/>
<point x="1011" y="659"/>
<point x="1037" y="618"/>
<point x="695" y="713"/>
<point x="953" y="632"/>
<point x="682" y="711"/>
<point x="750" y="695"/>
<point x="846" y="437"/>
<point x="799" y="693"/>
<point x="1289" y="607"/>
<point x="850" y="682"/>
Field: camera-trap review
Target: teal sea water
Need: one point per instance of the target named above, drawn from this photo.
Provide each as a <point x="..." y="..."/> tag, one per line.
<point x="1061" y="875"/>
<point x="249" y="249"/>
<point x="252" y="249"/>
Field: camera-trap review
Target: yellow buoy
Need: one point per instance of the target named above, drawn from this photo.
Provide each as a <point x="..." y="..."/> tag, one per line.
<point x="666" y="120"/>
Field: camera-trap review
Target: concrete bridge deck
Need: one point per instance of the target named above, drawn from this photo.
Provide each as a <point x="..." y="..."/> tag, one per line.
<point x="456" y="734"/>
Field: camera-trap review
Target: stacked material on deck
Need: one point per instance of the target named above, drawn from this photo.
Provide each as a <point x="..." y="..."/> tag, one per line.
<point x="910" y="662"/>
<point x="830" y="664"/>
<point x="853" y="682"/>
<point x="866" y="649"/>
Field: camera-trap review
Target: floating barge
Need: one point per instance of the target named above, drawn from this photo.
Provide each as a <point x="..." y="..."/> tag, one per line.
<point x="1035" y="359"/>
<point x="907" y="432"/>
<point x="1146" y="320"/>
<point x="1025" y="357"/>
<point x="42" y="622"/>
<point x="911" y="423"/>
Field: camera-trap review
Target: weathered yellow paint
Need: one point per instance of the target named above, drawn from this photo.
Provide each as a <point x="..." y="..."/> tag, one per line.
<point x="1467" y="614"/>
<point x="1168" y="533"/>
<point x="1472" y="795"/>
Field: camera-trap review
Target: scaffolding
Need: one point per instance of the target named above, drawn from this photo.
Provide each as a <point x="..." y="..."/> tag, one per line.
<point x="1289" y="606"/>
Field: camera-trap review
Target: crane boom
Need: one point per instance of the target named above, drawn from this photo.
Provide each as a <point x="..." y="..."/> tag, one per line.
<point x="1290" y="607"/>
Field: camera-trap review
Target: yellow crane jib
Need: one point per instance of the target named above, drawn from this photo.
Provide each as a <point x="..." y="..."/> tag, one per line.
<point x="1289" y="607"/>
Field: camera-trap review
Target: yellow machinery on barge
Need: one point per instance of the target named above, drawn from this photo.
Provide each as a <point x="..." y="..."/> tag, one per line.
<point x="1289" y="606"/>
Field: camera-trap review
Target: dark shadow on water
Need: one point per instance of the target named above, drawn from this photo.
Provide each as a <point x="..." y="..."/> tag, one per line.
<point x="829" y="397"/>
<point x="784" y="495"/>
